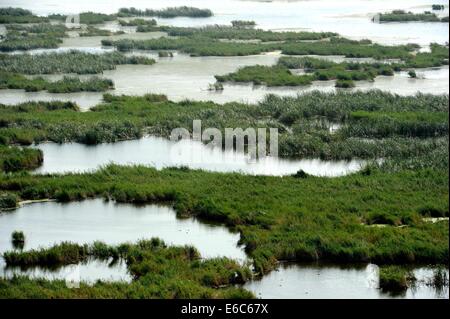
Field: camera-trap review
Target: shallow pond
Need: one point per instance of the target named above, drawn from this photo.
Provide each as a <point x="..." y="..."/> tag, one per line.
<point x="352" y="20"/>
<point x="294" y="281"/>
<point x="160" y="152"/>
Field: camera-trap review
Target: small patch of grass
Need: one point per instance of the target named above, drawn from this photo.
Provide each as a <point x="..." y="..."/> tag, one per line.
<point x="395" y="278"/>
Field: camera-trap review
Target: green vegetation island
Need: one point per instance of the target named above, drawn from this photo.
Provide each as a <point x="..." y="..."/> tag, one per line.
<point x="404" y="16"/>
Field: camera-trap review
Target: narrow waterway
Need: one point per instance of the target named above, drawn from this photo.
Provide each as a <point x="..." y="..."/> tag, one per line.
<point x="160" y="153"/>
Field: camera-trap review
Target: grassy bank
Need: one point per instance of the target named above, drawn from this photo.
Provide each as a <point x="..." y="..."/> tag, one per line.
<point x="67" y="62"/>
<point x="65" y="85"/>
<point x="159" y="272"/>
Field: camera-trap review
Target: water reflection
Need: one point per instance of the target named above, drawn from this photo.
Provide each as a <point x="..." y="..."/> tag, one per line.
<point x="351" y="20"/>
<point x="48" y="223"/>
<point x="295" y="281"/>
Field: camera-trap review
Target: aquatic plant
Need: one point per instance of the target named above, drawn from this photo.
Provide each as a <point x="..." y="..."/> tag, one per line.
<point x="232" y="33"/>
<point x="14" y="158"/>
<point x="18" y="237"/>
<point x="87" y="17"/>
<point x="392" y="127"/>
<point x="345" y="84"/>
<point x="215" y="87"/>
<point x="439" y="279"/>
<point x="437" y="7"/>
<point x="412" y="74"/>
<point x="138" y="22"/>
<point x="159" y="271"/>
<point x="243" y="24"/>
<point x="295" y="223"/>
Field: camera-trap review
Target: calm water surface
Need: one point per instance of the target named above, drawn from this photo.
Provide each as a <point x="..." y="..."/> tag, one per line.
<point x="352" y="19"/>
<point x="183" y="77"/>
<point x="160" y="153"/>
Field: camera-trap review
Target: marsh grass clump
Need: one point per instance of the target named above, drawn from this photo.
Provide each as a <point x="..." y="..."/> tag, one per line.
<point x="28" y="37"/>
<point x="68" y="62"/>
<point x="412" y="74"/>
<point x="345" y="84"/>
<point x="8" y="201"/>
<point x="15" y="41"/>
<point x="95" y="32"/>
<point x="66" y="85"/>
<point x="324" y="228"/>
<point x="159" y="271"/>
<point x="439" y="279"/>
<point x="165" y="54"/>
<point x="13" y="158"/>
<point x="87" y="17"/>
<point x="403" y="16"/>
<point x="395" y="278"/>
<point x="243" y="24"/>
<point x="170" y="12"/>
<point x="217" y="86"/>
<point x="301" y="174"/>
<point x="19" y="15"/>
<point x="208" y="41"/>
